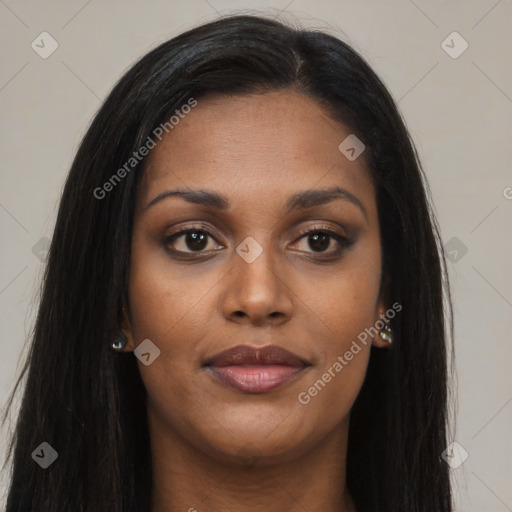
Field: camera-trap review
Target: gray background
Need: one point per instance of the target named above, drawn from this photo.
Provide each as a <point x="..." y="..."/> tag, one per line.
<point x="458" y="111"/>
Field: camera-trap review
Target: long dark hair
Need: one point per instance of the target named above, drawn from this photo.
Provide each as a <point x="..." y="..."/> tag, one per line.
<point x="89" y="403"/>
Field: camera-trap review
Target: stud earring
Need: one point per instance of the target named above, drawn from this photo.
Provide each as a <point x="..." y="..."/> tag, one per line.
<point x="119" y="343"/>
<point x="386" y="334"/>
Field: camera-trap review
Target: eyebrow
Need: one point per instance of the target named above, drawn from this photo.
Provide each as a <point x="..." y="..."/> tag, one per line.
<point x="300" y="200"/>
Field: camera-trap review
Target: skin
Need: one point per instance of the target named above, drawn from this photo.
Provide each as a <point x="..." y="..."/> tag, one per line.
<point x="215" y="448"/>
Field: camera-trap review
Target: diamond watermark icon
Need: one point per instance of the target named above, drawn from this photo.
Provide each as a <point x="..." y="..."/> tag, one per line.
<point x="455" y="250"/>
<point x="455" y="455"/>
<point x="351" y="147"/>
<point x="45" y="455"/>
<point x="454" y="45"/>
<point x="40" y="249"/>
<point x="249" y="249"/>
<point x="44" y="45"/>
<point x="147" y="352"/>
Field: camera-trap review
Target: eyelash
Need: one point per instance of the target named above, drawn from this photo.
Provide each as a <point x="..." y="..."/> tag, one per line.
<point x="343" y="242"/>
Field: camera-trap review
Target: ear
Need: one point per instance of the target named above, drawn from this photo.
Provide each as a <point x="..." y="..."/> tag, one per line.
<point x="126" y="329"/>
<point x="381" y="318"/>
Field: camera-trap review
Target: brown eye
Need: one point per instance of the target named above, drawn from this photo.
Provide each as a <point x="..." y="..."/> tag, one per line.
<point x="319" y="242"/>
<point x="190" y="240"/>
<point x="196" y="240"/>
<point x="320" y="239"/>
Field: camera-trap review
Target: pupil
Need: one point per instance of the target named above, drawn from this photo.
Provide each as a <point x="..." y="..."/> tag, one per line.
<point x="324" y="242"/>
<point x="195" y="241"/>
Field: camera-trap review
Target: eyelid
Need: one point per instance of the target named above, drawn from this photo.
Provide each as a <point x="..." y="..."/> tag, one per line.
<point x="324" y="228"/>
<point x="302" y="232"/>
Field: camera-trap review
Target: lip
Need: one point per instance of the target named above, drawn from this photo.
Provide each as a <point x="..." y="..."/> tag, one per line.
<point x="255" y="370"/>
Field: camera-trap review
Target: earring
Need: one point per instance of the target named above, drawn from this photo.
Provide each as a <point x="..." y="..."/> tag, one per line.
<point x="119" y="343"/>
<point x="386" y="334"/>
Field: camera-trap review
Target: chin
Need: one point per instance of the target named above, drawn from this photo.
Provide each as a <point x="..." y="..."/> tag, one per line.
<point x="270" y="445"/>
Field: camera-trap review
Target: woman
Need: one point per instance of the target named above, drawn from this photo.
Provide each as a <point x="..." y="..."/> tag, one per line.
<point x="243" y="302"/>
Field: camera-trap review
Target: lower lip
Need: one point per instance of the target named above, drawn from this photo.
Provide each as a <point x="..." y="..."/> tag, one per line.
<point x="255" y="378"/>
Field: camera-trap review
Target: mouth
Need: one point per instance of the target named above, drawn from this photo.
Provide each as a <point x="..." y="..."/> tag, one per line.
<point x="255" y="370"/>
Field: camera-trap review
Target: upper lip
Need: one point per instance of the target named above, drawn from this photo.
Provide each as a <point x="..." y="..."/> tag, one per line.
<point x="245" y="354"/>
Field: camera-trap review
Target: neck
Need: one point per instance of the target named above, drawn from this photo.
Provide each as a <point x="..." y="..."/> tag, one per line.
<point x="189" y="478"/>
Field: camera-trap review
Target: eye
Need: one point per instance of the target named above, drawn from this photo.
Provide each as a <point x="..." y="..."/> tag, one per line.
<point x="319" y="239"/>
<point x="193" y="239"/>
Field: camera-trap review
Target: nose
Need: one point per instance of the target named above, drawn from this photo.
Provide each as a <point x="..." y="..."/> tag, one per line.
<point x="258" y="292"/>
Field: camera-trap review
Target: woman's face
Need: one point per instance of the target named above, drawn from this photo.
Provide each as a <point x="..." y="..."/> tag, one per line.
<point x="247" y="274"/>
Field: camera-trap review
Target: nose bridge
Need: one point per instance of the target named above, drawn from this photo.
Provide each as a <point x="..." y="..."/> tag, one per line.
<point x="255" y="260"/>
<point x="256" y="287"/>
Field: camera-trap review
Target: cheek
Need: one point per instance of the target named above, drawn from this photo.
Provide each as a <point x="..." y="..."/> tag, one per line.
<point x="344" y="353"/>
<point x="347" y="307"/>
<point x="173" y="312"/>
<point x="169" y="302"/>
<point x="347" y="301"/>
<point x="173" y="306"/>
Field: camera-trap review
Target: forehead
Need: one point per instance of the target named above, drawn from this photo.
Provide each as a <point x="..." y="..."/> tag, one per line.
<point x="245" y="146"/>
